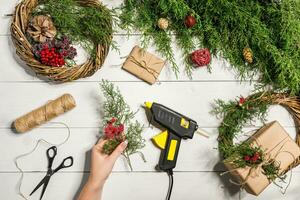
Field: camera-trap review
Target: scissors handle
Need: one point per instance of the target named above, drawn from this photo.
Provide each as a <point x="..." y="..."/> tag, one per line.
<point x="67" y="162"/>
<point x="51" y="153"/>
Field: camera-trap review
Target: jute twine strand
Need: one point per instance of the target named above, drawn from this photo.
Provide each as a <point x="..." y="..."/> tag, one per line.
<point x="38" y="143"/>
<point x="60" y="74"/>
<point x="44" y="113"/>
<point x="292" y="104"/>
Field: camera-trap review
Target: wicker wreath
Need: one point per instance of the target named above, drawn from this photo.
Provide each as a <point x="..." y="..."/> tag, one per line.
<point x="232" y="123"/>
<point x="62" y="74"/>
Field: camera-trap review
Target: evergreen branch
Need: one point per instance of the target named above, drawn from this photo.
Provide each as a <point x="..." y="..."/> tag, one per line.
<point x="86" y="25"/>
<point x="235" y="117"/>
<point x="115" y="107"/>
<point x="270" y="28"/>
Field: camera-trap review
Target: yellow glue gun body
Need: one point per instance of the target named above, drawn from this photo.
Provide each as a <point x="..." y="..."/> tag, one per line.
<point x="170" y="144"/>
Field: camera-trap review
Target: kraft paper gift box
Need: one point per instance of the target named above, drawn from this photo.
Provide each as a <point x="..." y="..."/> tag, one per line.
<point x="278" y="145"/>
<point x="144" y="65"/>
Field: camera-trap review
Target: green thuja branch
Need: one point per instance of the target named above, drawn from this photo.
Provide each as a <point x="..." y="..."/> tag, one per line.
<point x="270" y="28"/>
<point x="239" y="154"/>
<point x="86" y="25"/>
<point x="115" y="107"/>
<point x="236" y="115"/>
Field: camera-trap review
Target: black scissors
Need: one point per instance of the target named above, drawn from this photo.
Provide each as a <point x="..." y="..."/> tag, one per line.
<point x="51" y="153"/>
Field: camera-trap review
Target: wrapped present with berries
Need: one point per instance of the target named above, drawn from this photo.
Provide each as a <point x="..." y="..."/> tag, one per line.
<point x="265" y="156"/>
<point x="144" y="65"/>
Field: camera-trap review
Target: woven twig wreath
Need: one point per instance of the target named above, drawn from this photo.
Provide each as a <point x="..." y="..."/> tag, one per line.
<point x="62" y="74"/>
<point x="235" y="117"/>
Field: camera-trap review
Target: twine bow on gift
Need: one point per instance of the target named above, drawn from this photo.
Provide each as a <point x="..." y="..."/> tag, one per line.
<point x="143" y="64"/>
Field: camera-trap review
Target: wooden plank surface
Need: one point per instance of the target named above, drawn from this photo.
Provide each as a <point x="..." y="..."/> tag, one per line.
<point x="187" y="185"/>
<point x="199" y="154"/>
<point x="197" y="172"/>
<point x="121" y="186"/>
<point x="194" y="99"/>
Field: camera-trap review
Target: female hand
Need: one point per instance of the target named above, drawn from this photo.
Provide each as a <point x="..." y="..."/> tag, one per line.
<point x="101" y="167"/>
<point x="102" y="164"/>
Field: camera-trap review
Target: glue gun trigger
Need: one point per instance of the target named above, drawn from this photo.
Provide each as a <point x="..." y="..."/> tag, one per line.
<point x="160" y="140"/>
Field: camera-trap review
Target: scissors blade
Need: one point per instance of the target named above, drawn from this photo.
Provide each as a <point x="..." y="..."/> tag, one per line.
<point x="43" y="181"/>
<point x="44" y="188"/>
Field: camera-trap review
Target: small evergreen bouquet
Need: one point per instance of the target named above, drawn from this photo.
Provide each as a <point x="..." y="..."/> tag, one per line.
<point x="246" y="155"/>
<point x="118" y="125"/>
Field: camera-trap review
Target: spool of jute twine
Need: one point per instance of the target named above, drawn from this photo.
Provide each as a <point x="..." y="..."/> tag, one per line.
<point x="44" y="113"/>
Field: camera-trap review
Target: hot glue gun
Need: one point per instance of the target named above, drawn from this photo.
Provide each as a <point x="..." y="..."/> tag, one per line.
<point x="177" y="127"/>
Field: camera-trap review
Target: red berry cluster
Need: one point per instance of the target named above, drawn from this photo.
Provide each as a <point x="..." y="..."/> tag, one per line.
<point x="112" y="131"/>
<point x="54" y="52"/>
<point x="51" y="57"/>
<point x="242" y="100"/>
<point x="252" y="159"/>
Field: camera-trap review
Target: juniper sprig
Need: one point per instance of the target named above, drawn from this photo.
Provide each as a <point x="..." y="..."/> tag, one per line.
<point x="271" y="29"/>
<point x="115" y="107"/>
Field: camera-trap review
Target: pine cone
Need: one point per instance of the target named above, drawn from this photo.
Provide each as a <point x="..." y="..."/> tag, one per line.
<point x="163" y="23"/>
<point x="248" y="56"/>
<point x="41" y="28"/>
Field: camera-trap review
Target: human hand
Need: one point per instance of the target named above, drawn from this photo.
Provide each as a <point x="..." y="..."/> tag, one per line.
<point x="102" y="164"/>
<point x="101" y="167"/>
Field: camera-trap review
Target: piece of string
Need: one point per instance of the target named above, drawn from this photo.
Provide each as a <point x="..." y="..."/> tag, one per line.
<point x="282" y="191"/>
<point x="143" y="64"/>
<point x="30" y="152"/>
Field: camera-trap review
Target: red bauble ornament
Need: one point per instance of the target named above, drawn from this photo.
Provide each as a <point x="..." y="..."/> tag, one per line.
<point x="190" y="21"/>
<point x="201" y="57"/>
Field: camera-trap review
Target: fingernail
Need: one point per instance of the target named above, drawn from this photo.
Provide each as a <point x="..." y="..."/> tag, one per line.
<point x="125" y="143"/>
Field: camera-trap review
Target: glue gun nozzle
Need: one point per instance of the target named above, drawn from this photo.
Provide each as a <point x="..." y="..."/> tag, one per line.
<point x="148" y="104"/>
<point x="202" y="133"/>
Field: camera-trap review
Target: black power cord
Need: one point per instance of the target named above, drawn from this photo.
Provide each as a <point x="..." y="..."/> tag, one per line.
<point x="170" y="174"/>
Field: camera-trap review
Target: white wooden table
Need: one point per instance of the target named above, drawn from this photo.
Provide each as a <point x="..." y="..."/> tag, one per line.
<point x="198" y="168"/>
